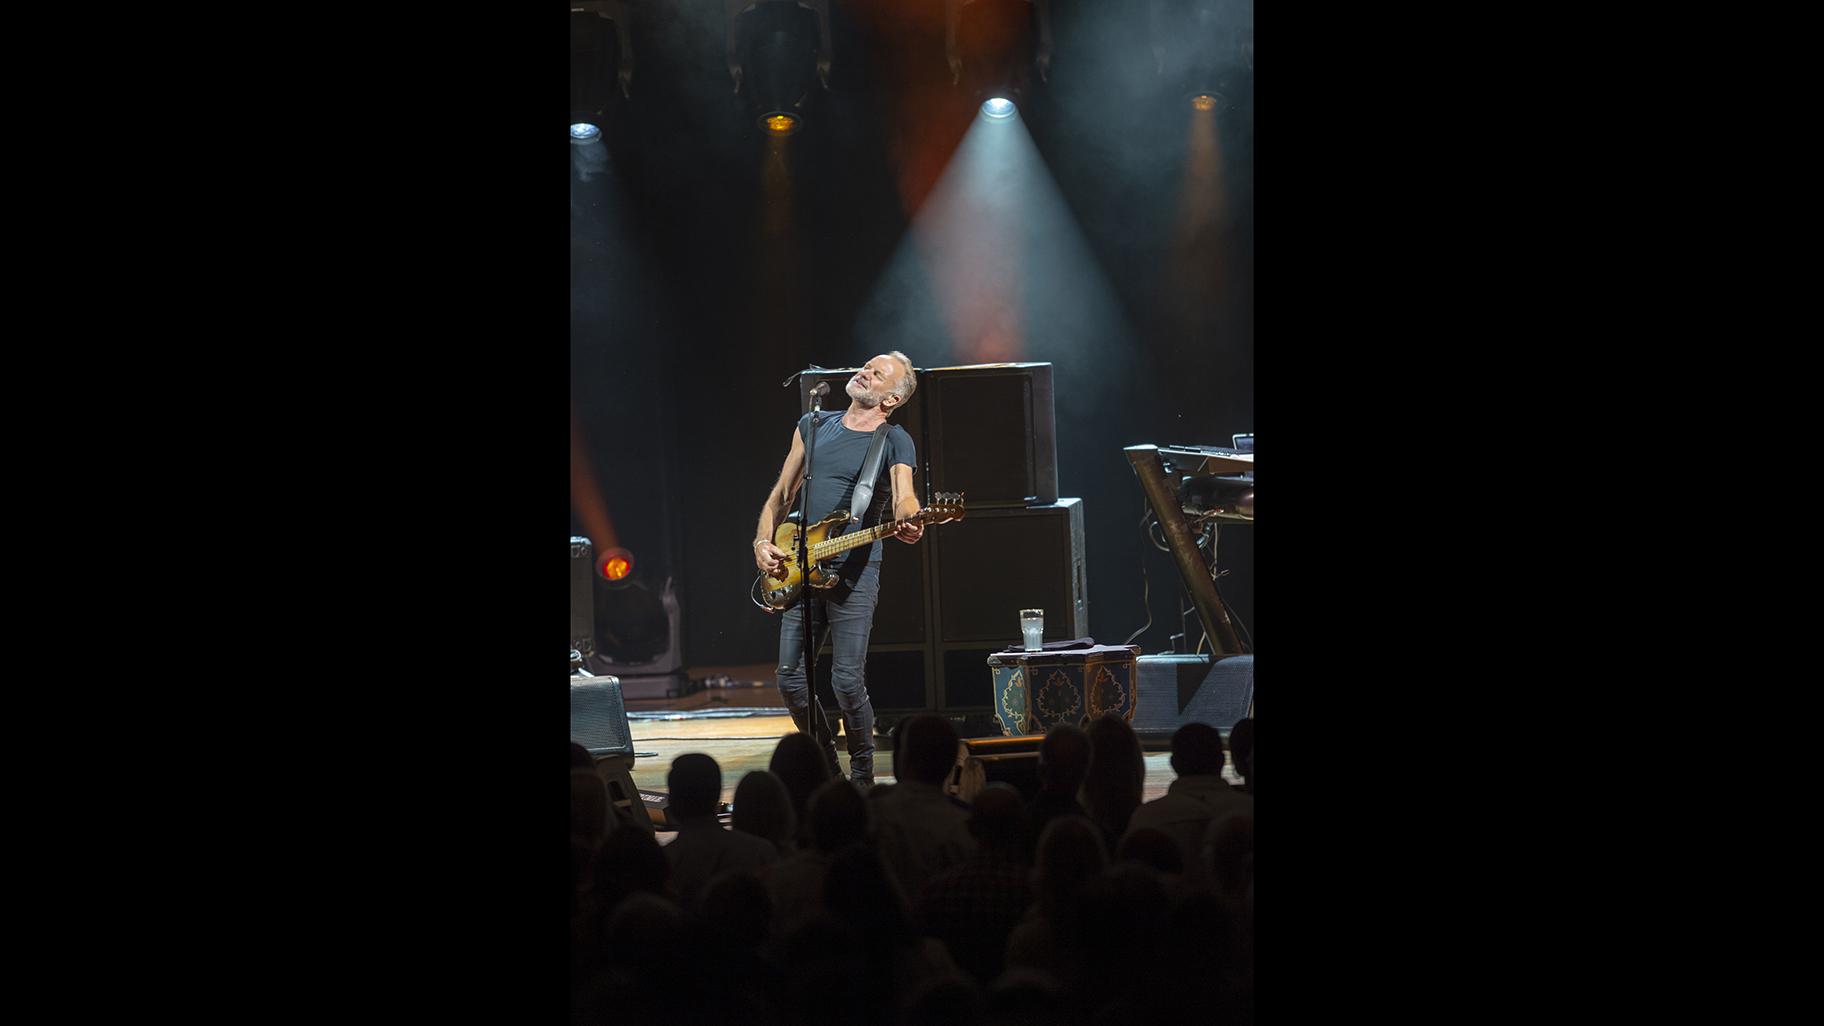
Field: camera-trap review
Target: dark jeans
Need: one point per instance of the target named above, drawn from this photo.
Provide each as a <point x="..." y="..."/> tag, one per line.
<point x="844" y="619"/>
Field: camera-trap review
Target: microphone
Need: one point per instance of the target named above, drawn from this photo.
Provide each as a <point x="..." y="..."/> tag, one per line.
<point x="823" y="388"/>
<point x="795" y="375"/>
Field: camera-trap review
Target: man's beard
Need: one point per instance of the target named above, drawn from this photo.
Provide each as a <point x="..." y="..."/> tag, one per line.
<point x="865" y="399"/>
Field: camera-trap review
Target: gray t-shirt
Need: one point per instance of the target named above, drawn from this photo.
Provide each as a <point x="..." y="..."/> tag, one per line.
<point x="836" y="463"/>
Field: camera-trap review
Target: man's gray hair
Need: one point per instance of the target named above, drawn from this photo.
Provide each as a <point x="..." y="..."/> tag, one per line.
<point x="908" y="383"/>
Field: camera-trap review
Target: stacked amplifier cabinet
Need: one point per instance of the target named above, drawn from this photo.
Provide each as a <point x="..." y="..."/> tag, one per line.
<point x="989" y="566"/>
<point x="992" y="433"/>
<point x="949" y="602"/>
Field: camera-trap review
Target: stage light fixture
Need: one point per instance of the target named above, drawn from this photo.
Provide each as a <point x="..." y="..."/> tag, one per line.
<point x="778" y="53"/>
<point x="598" y="64"/>
<point x="616" y="564"/>
<point x="636" y="629"/>
<point x="993" y="46"/>
<point x="583" y="131"/>
<point x="1204" y="48"/>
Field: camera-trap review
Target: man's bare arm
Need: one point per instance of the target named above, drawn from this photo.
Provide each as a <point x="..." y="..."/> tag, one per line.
<point x="905" y="503"/>
<point x="778" y="503"/>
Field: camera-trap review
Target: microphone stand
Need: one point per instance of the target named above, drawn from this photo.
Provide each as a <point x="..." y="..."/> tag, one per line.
<point x="820" y="724"/>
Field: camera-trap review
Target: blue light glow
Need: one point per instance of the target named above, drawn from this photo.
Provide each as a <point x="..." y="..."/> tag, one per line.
<point x="583" y="132"/>
<point x="998" y="108"/>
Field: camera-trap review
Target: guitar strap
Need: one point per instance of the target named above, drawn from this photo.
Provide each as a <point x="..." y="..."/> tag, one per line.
<point x="870" y="473"/>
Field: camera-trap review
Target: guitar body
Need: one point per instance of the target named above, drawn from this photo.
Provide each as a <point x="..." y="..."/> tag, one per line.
<point x="780" y="592"/>
<point x="780" y="589"/>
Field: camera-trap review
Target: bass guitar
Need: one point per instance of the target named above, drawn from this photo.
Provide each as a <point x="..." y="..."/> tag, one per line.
<point x="781" y="588"/>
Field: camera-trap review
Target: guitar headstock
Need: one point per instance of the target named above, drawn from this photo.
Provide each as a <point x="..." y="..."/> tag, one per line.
<point x="943" y="508"/>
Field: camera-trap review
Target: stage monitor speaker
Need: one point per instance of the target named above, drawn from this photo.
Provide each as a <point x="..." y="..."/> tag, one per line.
<point x="582" y="597"/>
<point x="995" y="562"/>
<point x="989" y="760"/>
<point x="992" y="431"/>
<point x="598" y="719"/>
<point x="625" y="800"/>
<point x="1180" y="689"/>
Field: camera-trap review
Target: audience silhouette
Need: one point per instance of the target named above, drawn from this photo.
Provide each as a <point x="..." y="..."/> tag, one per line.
<point x="903" y="906"/>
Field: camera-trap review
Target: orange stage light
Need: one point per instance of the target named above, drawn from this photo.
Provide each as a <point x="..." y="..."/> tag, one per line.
<point x="780" y="124"/>
<point x="617" y="564"/>
<point x="1203" y="101"/>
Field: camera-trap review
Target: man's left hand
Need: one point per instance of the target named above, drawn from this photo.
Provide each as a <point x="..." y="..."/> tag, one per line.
<point x="910" y="533"/>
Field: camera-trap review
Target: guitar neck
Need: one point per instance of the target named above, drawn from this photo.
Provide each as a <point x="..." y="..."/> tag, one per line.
<point x="825" y="549"/>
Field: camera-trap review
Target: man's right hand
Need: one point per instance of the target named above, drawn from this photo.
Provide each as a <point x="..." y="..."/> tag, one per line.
<point x="769" y="557"/>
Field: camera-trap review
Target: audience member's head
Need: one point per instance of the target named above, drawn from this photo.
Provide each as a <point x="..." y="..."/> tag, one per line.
<point x="1197" y="751"/>
<point x="1241" y="747"/>
<point x="950" y="1000"/>
<point x="580" y="757"/>
<point x="646" y="931"/>
<point x="1154" y="848"/>
<point x="1030" y="997"/>
<point x="998" y="821"/>
<point x="1063" y="759"/>
<point x="1117" y="772"/>
<point x="1070" y="852"/>
<point x="764" y="809"/>
<point x="1228" y="850"/>
<point x="630" y="862"/>
<point x="859" y="889"/>
<point x="800" y="765"/>
<point x="930" y="750"/>
<point x="1118" y="913"/>
<point x="582" y="869"/>
<point x="588" y="807"/>
<point x="839" y="816"/>
<point x="737" y="907"/>
<point x="695" y="781"/>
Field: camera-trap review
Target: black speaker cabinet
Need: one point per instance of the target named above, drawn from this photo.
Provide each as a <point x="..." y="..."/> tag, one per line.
<point x="992" y="432"/>
<point x="582" y="598"/>
<point x="898" y="676"/>
<point x="995" y="562"/>
<point x="598" y="719"/>
<point x="901" y="616"/>
<point x="989" y="566"/>
<point x="1180" y="689"/>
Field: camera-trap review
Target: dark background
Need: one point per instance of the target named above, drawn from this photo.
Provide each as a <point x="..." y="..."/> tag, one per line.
<point x="706" y="267"/>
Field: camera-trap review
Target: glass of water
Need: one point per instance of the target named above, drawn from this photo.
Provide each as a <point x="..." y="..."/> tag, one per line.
<point x="1032" y="627"/>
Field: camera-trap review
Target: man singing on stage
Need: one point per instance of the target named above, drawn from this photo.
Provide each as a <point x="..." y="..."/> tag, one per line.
<point x="844" y="613"/>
